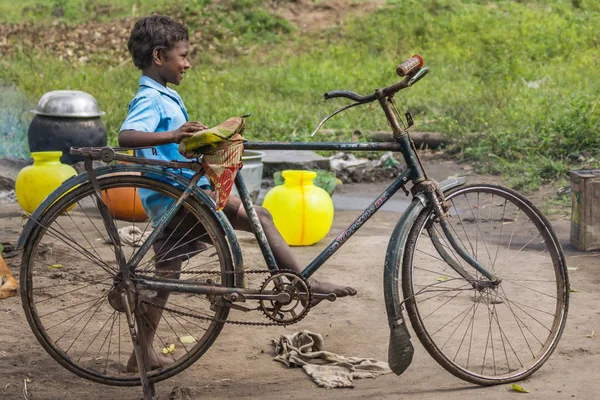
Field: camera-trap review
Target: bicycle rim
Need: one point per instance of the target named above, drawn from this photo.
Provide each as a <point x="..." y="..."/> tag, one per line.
<point x="496" y="334"/>
<point x="69" y="267"/>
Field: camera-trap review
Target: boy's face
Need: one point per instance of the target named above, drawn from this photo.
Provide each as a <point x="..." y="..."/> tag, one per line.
<point x="173" y="64"/>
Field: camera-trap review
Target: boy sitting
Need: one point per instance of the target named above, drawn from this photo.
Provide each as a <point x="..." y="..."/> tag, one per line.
<point x="157" y="117"/>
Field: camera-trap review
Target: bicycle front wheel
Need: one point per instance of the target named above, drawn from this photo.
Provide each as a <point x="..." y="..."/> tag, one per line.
<point x="490" y="334"/>
<point x="70" y="276"/>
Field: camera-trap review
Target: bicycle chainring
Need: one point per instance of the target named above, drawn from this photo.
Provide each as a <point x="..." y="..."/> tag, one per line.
<point x="300" y="295"/>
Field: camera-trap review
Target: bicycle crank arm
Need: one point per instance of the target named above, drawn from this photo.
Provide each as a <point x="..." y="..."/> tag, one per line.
<point x="280" y="297"/>
<point x="324" y="296"/>
<point x="237" y="296"/>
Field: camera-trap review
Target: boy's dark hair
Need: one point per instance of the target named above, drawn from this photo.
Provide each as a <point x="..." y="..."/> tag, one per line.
<point x="150" y="33"/>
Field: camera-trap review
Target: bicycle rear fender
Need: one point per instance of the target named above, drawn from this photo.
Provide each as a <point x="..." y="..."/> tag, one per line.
<point x="400" y="350"/>
<point x="148" y="171"/>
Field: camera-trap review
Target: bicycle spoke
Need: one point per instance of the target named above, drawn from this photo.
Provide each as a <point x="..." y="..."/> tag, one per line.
<point x="157" y="335"/>
<point x="96" y="336"/>
<point x="82" y="234"/>
<point x="507" y="302"/>
<point x="109" y="336"/>
<point x="440" y="307"/>
<point x="530" y="316"/>
<point x="84" y="326"/>
<point x="54" y="286"/>
<point x="66" y="293"/>
<point x="166" y="320"/>
<point x="533" y="290"/>
<point x="68" y="307"/>
<point x="462" y="224"/>
<point x="89" y="256"/>
<point x="471" y="322"/>
<point x="500" y="238"/>
<point x="466" y="313"/>
<point x="478" y="229"/>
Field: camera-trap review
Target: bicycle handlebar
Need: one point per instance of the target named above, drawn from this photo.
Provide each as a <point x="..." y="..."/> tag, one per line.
<point x="410" y="69"/>
<point x="350" y="95"/>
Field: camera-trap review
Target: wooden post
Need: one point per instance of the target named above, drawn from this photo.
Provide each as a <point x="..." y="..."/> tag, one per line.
<point x="585" y="215"/>
<point x="430" y="140"/>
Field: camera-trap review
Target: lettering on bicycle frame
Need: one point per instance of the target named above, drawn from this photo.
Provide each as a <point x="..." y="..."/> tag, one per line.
<point x="358" y="223"/>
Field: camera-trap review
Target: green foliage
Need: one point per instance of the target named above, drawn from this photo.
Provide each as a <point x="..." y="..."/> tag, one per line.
<point x="74" y="11"/>
<point x="14" y="121"/>
<point x="326" y="180"/>
<point x="229" y="26"/>
<point x="515" y="83"/>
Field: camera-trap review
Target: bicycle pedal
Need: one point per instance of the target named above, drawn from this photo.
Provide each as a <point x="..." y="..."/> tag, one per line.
<point x="400" y="351"/>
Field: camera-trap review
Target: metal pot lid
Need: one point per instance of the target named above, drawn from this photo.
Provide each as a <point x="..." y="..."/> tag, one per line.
<point x="68" y="103"/>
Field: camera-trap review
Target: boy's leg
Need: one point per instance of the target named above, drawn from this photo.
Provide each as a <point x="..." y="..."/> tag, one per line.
<point x="182" y="238"/>
<point x="235" y="212"/>
<point x="151" y="316"/>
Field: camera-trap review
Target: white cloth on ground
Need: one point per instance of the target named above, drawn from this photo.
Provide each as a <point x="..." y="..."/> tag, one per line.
<point x="131" y="236"/>
<point x="327" y="369"/>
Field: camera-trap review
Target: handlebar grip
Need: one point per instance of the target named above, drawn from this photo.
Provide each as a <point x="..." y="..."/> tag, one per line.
<point x="408" y="66"/>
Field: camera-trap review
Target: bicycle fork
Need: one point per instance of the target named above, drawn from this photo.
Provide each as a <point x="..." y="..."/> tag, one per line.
<point x="436" y="198"/>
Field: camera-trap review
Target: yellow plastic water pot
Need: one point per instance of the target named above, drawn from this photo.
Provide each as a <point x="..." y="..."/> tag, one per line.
<point x="302" y="212"/>
<point x="35" y="182"/>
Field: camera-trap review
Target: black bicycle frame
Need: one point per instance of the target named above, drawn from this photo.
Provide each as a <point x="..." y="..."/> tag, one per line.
<point x="413" y="173"/>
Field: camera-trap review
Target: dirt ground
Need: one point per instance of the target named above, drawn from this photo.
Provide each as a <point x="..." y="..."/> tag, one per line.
<point x="240" y="365"/>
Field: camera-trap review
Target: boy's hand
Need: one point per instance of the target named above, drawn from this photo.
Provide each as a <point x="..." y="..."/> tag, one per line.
<point x="187" y="129"/>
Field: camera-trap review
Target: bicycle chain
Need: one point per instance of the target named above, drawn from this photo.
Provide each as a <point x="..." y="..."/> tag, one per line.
<point x="220" y="321"/>
<point x="226" y="321"/>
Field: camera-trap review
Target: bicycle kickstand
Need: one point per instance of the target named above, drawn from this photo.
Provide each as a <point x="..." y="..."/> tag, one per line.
<point x="141" y="358"/>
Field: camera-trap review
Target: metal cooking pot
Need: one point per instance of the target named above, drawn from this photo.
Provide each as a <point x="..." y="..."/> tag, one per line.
<point x="66" y="118"/>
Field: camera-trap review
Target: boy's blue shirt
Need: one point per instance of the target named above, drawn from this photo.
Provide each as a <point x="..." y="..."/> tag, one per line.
<point x="156" y="108"/>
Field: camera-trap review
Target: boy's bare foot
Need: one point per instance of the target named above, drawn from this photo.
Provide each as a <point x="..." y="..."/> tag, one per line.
<point x="328" y="287"/>
<point x="156" y="362"/>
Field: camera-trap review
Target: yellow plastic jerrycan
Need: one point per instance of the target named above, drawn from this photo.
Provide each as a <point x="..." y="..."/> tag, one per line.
<point x="302" y="212"/>
<point x="35" y="182"/>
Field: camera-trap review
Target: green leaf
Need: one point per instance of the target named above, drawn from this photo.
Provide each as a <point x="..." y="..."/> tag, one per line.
<point x="572" y="290"/>
<point x="519" y="389"/>
<point x="442" y="278"/>
<point x="55" y="266"/>
<point x="572" y="268"/>
<point x="1" y="248"/>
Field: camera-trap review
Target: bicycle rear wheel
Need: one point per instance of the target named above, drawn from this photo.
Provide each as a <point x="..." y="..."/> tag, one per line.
<point x="496" y="334"/>
<point x="69" y="268"/>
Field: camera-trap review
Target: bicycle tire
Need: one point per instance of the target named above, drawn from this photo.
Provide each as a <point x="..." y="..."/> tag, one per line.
<point x="66" y="251"/>
<point x="514" y="315"/>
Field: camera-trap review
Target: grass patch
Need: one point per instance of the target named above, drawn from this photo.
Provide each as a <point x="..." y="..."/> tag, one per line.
<point x="14" y="122"/>
<point x="515" y="83"/>
<point x="76" y="11"/>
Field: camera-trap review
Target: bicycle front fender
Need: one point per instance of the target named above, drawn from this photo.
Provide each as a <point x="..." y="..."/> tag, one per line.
<point x="148" y="171"/>
<point x="400" y="349"/>
<point x="395" y="250"/>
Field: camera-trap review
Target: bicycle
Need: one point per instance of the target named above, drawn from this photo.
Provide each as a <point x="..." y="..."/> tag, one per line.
<point x="470" y="245"/>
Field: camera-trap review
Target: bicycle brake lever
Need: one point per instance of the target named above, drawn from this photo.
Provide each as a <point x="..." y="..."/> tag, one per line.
<point x="418" y="76"/>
